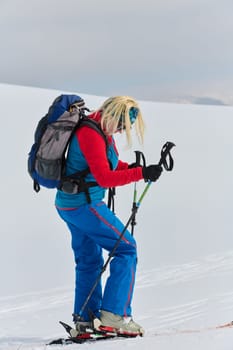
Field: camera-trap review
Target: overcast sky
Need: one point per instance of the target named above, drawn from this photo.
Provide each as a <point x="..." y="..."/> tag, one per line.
<point x="160" y="50"/>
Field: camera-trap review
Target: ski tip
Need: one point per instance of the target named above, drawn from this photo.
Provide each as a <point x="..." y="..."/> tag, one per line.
<point x="60" y="341"/>
<point x="71" y="331"/>
<point x="66" y="326"/>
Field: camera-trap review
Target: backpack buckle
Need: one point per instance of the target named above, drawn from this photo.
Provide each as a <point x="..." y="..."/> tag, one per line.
<point x="70" y="186"/>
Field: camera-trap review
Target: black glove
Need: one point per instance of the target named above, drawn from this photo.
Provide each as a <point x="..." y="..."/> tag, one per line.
<point x="152" y="172"/>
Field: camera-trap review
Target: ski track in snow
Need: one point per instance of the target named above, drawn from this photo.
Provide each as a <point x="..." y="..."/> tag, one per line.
<point x="213" y="264"/>
<point x="33" y="302"/>
<point x="159" y="319"/>
<point x="197" y="312"/>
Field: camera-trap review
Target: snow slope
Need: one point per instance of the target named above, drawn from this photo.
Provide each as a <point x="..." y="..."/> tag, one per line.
<point x="184" y="289"/>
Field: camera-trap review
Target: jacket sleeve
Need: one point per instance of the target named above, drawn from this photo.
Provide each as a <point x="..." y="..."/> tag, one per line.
<point x="93" y="148"/>
<point x="122" y="165"/>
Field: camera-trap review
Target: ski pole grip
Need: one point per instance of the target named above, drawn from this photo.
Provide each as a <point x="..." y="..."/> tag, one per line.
<point x="139" y="156"/>
<point x="166" y="159"/>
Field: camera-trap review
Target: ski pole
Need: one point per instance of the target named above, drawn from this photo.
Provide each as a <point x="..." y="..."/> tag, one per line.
<point x="168" y="165"/>
<point x="139" y="156"/>
<point x="133" y="221"/>
<point x="166" y="161"/>
<point x="111" y="254"/>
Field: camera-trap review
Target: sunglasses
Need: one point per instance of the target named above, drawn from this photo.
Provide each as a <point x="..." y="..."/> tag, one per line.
<point x="133" y="113"/>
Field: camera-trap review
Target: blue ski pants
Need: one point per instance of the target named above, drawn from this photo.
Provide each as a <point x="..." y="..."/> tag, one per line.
<point x="93" y="227"/>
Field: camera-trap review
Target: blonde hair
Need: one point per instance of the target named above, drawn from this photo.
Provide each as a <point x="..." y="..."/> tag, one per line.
<point x="115" y="110"/>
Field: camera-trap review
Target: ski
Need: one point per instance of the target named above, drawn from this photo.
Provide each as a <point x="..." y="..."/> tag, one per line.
<point x="84" y="338"/>
<point x="90" y="335"/>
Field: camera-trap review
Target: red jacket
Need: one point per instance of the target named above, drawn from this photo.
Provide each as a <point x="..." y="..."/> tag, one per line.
<point x="97" y="159"/>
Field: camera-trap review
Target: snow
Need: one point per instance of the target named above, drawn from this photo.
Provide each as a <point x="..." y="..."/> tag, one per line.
<point x="184" y="287"/>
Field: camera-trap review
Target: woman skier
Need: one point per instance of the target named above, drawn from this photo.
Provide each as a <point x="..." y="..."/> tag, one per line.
<point x="93" y="225"/>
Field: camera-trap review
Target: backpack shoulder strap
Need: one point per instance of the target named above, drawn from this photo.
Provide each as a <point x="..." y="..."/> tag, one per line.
<point x="94" y="125"/>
